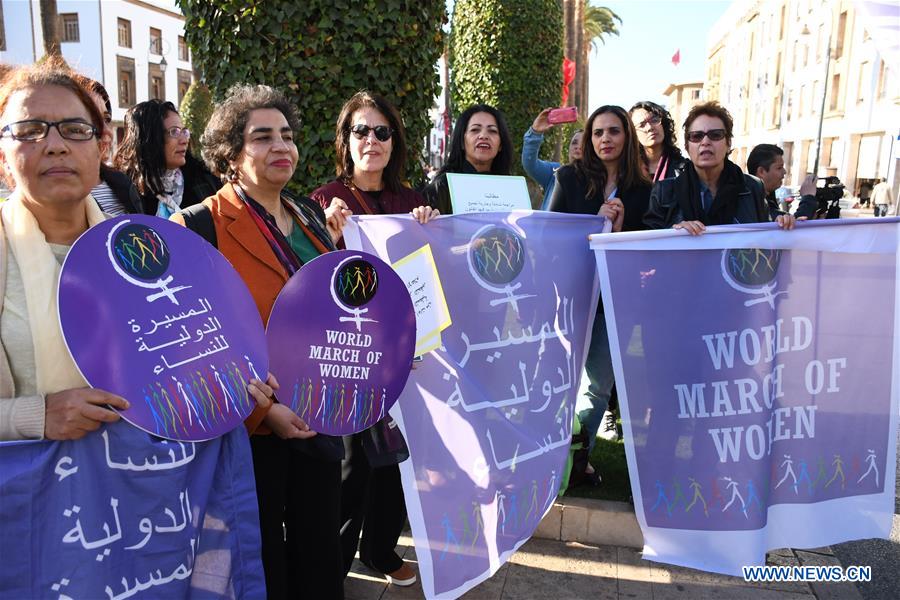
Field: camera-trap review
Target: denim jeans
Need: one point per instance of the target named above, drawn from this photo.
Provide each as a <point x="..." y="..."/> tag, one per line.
<point x="599" y="370"/>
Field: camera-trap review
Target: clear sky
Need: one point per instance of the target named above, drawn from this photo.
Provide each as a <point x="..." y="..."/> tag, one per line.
<point x="637" y="65"/>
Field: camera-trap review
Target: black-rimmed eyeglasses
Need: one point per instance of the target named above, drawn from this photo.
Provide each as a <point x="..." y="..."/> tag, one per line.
<point x="34" y="130"/>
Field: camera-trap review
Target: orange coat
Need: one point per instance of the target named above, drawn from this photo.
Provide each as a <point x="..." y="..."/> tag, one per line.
<point x="242" y="243"/>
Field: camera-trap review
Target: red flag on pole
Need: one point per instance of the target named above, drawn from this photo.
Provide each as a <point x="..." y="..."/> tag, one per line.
<point x="568" y="69"/>
<point x="676" y="58"/>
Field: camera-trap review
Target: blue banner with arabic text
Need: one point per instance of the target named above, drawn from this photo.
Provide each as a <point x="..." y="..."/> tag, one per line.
<point x="121" y="513"/>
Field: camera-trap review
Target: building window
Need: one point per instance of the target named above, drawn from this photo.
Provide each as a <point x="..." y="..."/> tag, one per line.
<point x="68" y="27"/>
<point x="835" y="91"/>
<point x="125" y="33"/>
<point x="801" y="105"/>
<point x="881" y="88"/>
<point x="183" y="49"/>
<point x="865" y="80"/>
<point x="155" y="41"/>
<point x="157" y="82"/>
<point x="842" y="27"/>
<point x="126" y="82"/>
<point x="184" y="82"/>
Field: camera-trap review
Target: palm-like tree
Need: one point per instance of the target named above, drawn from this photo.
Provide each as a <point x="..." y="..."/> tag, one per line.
<point x="49" y="27"/>
<point x="598" y="22"/>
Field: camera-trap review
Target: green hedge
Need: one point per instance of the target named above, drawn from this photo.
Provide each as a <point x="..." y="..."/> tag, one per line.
<point x="320" y="53"/>
<point x="195" y="110"/>
<point x="508" y="54"/>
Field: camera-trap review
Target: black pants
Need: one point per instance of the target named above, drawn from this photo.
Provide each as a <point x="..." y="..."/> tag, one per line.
<point x="299" y="516"/>
<point x="372" y="501"/>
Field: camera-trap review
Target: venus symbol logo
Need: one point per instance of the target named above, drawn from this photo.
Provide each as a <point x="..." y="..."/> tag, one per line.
<point x="141" y="257"/>
<point x="354" y="283"/>
<point x="753" y="271"/>
<point x="496" y="258"/>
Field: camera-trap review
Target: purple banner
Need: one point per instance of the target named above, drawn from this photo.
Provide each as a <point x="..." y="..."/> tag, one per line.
<point x="488" y="416"/>
<point x="341" y="336"/>
<point x="153" y="313"/>
<point x="756" y="375"/>
<point x="122" y="514"/>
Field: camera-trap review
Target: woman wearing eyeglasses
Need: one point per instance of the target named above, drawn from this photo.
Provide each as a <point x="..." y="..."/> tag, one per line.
<point x="370" y="159"/>
<point x="712" y="190"/>
<point x="656" y="134"/>
<point x="50" y="153"/>
<point x="480" y="144"/>
<point x="370" y="155"/>
<point x="155" y="155"/>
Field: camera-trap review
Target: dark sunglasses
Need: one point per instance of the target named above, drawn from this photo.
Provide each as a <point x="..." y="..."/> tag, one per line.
<point x="714" y="135"/>
<point x="382" y="132"/>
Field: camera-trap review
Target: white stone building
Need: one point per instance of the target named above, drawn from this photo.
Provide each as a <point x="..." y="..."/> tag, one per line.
<point x="766" y="63"/>
<point x="135" y="48"/>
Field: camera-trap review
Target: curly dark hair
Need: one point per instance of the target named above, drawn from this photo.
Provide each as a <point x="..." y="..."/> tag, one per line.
<point x="592" y="170"/>
<point x="710" y="109"/>
<point x="670" y="140"/>
<point x="343" y="162"/>
<point x="142" y="155"/>
<point x="456" y="158"/>
<point x="223" y="139"/>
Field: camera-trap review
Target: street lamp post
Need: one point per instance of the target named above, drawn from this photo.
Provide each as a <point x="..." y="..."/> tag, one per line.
<point x="806" y="32"/>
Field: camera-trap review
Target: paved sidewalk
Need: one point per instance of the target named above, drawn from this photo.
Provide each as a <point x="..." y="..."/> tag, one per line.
<point x="551" y="570"/>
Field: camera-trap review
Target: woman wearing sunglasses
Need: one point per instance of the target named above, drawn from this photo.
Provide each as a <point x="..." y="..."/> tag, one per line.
<point x="155" y="155"/>
<point x="480" y="144"/>
<point x="712" y="190"/>
<point x="656" y="134"/>
<point x="370" y="159"/>
<point x="370" y="156"/>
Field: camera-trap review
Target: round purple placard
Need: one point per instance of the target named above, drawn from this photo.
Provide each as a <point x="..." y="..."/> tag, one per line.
<point x="153" y="313"/>
<point x="341" y="340"/>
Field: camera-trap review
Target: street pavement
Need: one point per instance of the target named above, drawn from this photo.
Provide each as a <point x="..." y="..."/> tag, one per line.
<point x="882" y="555"/>
<point x="554" y="570"/>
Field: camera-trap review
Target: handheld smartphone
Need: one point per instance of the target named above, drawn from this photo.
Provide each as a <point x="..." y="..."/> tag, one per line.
<point x="566" y="114"/>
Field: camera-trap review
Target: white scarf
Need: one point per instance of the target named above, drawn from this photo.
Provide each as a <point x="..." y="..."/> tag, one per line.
<point x="170" y="202"/>
<point x="55" y="369"/>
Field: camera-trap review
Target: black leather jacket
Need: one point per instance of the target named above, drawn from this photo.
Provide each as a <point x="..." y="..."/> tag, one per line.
<point x="668" y="205"/>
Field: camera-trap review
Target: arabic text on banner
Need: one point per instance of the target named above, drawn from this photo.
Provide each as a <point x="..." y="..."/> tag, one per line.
<point x="488" y="415"/>
<point x="122" y="514"/>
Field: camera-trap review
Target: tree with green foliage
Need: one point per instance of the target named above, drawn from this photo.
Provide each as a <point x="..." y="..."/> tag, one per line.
<point x="509" y="55"/>
<point x="195" y="110"/>
<point x="320" y="53"/>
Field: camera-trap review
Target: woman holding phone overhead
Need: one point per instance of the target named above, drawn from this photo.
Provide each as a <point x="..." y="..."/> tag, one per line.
<point x="480" y="144"/>
<point x="607" y="180"/>
<point x="542" y="171"/>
